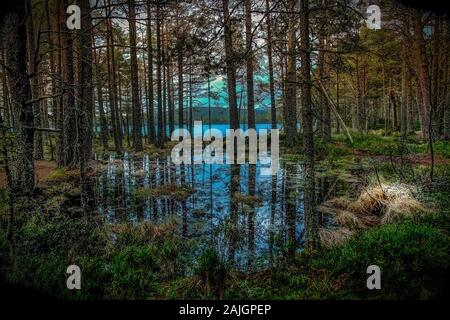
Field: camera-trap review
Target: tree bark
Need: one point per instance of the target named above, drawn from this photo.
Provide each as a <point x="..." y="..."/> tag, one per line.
<point x="104" y="131"/>
<point x="85" y="84"/>
<point x="230" y="66"/>
<point x="273" y="110"/>
<point x="170" y="97"/>
<point x="249" y="65"/>
<point x="150" y="111"/>
<point x="32" y="70"/>
<point x="70" y="115"/>
<point x="159" y="76"/>
<point x="112" y="84"/>
<point x="135" y="101"/>
<point x="406" y="94"/>
<point x="311" y="217"/>
<point x="423" y="75"/>
<point x="290" y="110"/>
<point x="15" y="41"/>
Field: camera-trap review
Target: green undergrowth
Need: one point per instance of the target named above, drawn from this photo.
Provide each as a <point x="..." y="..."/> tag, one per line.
<point x="149" y="261"/>
<point x="146" y="261"/>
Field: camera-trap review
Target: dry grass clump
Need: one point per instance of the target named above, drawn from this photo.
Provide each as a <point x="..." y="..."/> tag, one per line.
<point x="388" y="201"/>
<point x="348" y="219"/>
<point x="338" y="203"/>
<point x="380" y="204"/>
<point x="335" y="236"/>
<point x="146" y="231"/>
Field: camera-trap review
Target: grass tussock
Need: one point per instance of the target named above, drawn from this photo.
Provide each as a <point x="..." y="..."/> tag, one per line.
<point x="63" y="174"/>
<point x="377" y="205"/>
<point x="146" y="231"/>
<point x="246" y="199"/>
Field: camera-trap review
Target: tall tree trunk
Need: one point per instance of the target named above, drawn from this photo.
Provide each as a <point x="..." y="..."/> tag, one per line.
<point x="180" y="85"/>
<point x="442" y="93"/>
<point x="230" y="66"/>
<point x="423" y="75"/>
<point x="393" y="103"/>
<point x="191" y="105"/>
<point x="249" y="65"/>
<point x="159" y="76"/>
<point x="251" y="125"/>
<point x="290" y="110"/>
<point x="52" y="41"/>
<point x="435" y="71"/>
<point x="170" y="97"/>
<point x="234" y="121"/>
<point x="32" y="70"/>
<point x="338" y="125"/>
<point x="446" y="90"/>
<point x="60" y="110"/>
<point x="104" y="131"/>
<point x="273" y="110"/>
<point x="70" y="115"/>
<point x="164" y="90"/>
<point x="5" y="99"/>
<point x="358" y="114"/>
<point x="311" y="217"/>
<point x="112" y="83"/>
<point x="143" y="89"/>
<point x="324" y="75"/>
<point x="15" y="41"/>
<point x="150" y="111"/>
<point x="85" y="84"/>
<point x="85" y="108"/>
<point x="135" y="102"/>
<point x="406" y="94"/>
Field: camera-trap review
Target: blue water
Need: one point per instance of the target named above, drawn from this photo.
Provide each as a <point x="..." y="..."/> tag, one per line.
<point x="222" y="127"/>
<point x="206" y="215"/>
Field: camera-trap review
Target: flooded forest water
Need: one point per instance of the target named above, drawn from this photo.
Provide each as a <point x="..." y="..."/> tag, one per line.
<point x="248" y="218"/>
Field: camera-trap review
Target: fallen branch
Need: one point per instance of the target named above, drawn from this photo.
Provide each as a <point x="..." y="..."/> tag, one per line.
<point x="334" y="109"/>
<point x="46" y="129"/>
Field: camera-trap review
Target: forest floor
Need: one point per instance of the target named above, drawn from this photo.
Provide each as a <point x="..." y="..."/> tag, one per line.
<point x="43" y="169"/>
<point x="421" y="159"/>
<point x="148" y="261"/>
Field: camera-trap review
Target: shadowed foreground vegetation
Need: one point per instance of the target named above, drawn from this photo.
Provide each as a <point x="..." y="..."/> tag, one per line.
<point x="155" y="261"/>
